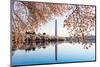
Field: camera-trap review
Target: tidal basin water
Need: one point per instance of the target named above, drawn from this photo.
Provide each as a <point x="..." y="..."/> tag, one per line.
<point x="54" y="53"/>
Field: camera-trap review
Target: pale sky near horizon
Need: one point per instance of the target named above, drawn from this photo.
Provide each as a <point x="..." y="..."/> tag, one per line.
<point x="49" y="28"/>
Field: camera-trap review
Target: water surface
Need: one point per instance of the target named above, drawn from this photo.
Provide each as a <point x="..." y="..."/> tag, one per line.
<point x="45" y="53"/>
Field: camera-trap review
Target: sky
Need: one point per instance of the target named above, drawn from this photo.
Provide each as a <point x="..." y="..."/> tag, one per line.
<point x="49" y="27"/>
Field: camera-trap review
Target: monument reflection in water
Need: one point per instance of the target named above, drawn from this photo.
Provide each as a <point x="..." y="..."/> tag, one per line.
<point x="52" y="52"/>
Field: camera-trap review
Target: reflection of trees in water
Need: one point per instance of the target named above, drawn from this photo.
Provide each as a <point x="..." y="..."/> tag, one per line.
<point x="87" y="42"/>
<point x="43" y="44"/>
<point x="32" y="46"/>
<point x="38" y="44"/>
